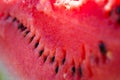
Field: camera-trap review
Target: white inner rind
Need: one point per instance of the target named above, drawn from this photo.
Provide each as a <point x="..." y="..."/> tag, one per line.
<point x="71" y="4"/>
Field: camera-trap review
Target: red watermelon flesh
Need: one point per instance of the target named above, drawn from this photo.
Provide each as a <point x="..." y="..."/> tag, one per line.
<point x="61" y="40"/>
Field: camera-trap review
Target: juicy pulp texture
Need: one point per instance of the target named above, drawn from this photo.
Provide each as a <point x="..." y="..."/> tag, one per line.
<point x="55" y="42"/>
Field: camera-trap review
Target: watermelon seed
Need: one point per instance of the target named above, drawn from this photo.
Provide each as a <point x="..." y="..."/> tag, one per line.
<point x="41" y="52"/>
<point x="103" y="51"/>
<point x="14" y="19"/>
<point x="45" y="58"/>
<point x="52" y="59"/>
<point x="24" y="28"/>
<point x="102" y="48"/>
<point x="31" y="39"/>
<point x="21" y="27"/>
<point x="73" y="69"/>
<point x="63" y="61"/>
<point x="118" y="10"/>
<point x="80" y="71"/>
<point x="26" y="32"/>
<point x="36" y="44"/>
<point x="56" y="69"/>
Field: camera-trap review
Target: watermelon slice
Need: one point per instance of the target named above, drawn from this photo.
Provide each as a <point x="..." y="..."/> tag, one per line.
<point x="61" y="39"/>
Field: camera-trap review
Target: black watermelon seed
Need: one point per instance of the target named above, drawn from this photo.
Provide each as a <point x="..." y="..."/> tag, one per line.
<point x="41" y="52"/>
<point x="118" y="10"/>
<point x="52" y="59"/>
<point x="56" y="69"/>
<point x="14" y="19"/>
<point x="36" y="44"/>
<point x="80" y="71"/>
<point x="22" y="27"/>
<point x="45" y="58"/>
<point x="63" y="61"/>
<point x="31" y="39"/>
<point x="102" y="48"/>
<point x="73" y="69"/>
<point x="26" y="33"/>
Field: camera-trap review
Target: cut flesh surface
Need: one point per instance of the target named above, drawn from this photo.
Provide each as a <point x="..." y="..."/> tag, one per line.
<point x="55" y="40"/>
